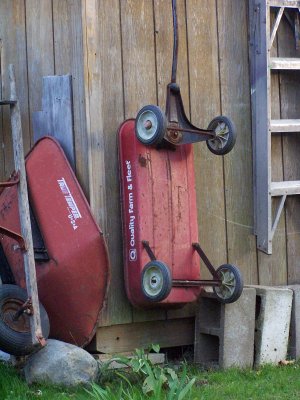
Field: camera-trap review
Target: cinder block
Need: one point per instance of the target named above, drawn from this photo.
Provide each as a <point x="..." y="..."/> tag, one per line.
<point x="273" y="313"/>
<point x="224" y="333"/>
<point x="294" y="337"/>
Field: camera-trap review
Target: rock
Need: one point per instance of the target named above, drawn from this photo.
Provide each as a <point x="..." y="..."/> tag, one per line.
<point x="61" y="364"/>
<point x="4" y="356"/>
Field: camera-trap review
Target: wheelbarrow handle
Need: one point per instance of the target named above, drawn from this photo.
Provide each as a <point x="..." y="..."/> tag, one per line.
<point x="175" y="42"/>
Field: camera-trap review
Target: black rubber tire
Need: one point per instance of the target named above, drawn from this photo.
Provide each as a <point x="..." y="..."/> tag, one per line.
<point x="237" y="284"/>
<point x="155" y="134"/>
<point x="164" y="289"/>
<point x="229" y="143"/>
<point x="12" y="341"/>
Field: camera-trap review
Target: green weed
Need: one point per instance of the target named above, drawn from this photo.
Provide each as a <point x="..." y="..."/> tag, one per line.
<point x="153" y="381"/>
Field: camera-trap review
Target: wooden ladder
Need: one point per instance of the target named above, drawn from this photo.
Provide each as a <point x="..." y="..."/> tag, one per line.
<point x="262" y="34"/>
<point x="25" y="239"/>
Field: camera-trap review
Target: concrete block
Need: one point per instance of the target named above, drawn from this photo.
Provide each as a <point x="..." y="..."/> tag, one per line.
<point x="224" y="333"/>
<point x="294" y="337"/>
<point x="273" y="313"/>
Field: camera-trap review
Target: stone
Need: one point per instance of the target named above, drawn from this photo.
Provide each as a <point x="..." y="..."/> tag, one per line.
<point x="224" y="333"/>
<point x="61" y="363"/>
<point x="4" y="356"/>
<point x="273" y="314"/>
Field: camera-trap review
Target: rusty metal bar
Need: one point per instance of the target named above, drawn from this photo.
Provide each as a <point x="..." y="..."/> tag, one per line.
<point x="13" y="235"/>
<point x="14" y="181"/>
<point x="209" y="133"/>
<point x="200" y="282"/>
<point x="206" y="261"/>
<point x="148" y="250"/>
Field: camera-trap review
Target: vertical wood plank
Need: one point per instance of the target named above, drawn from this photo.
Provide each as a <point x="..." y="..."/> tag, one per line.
<point x="118" y="307"/>
<point x="93" y="95"/>
<point x="290" y="108"/>
<point x="138" y="55"/>
<point x="205" y="105"/>
<point x="56" y="119"/>
<point x="139" y="72"/>
<point x="235" y="97"/>
<point x="40" y="56"/>
<point x="13" y="51"/>
<point x="103" y="80"/>
<point x="68" y="50"/>
<point x="272" y="269"/>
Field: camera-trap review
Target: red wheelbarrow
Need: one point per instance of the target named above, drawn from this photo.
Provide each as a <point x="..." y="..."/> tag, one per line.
<point x="161" y="247"/>
<point x="71" y="260"/>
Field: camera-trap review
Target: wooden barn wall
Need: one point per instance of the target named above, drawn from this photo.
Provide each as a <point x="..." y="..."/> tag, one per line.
<point x="42" y="37"/>
<point x="119" y="53"/>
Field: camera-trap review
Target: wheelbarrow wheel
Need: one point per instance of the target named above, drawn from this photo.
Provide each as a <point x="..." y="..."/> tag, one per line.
<point x="15" y="336"/>
<point x="225" y="138"/>
<point x="231" y="283"/>
<point x="156" y="281"/>
<point x="150" y="125"/>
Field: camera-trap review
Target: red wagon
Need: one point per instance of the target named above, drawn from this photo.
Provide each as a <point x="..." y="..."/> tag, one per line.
<point x="160" y="229"/>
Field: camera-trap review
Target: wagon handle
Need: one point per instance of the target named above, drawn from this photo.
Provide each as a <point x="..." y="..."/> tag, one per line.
<point x="175" y="42"/>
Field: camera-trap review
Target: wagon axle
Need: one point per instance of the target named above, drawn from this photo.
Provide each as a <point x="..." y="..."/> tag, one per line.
<point x="157" y="282"/>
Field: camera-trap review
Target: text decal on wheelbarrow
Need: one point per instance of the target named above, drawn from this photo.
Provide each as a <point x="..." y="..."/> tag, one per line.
<point x="73" y="210"/>
<point x="131" y="225"/>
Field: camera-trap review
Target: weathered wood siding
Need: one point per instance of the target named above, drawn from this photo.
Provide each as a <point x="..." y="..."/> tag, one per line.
<point x="119" y="53"/>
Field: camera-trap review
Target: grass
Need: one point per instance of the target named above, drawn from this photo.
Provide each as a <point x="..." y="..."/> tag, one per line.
<point x="14" y="387"/>
<point x="268" y="383"/>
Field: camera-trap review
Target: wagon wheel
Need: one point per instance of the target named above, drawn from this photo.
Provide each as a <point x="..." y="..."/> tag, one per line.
<point x="15" y="335"/>
<point x="156" y="281"/>
<point x="231" y="286"/>
<point x="225" y="138"/>
<point x="150" y="125"/>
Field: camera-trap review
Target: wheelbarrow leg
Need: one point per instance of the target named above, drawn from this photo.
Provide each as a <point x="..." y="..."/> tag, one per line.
<point x="28" y="254"/>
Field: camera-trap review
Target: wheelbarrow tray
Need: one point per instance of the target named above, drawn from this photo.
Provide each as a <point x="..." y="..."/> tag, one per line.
<point x="158" y="206"/>
<point x="72" y="284"/>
